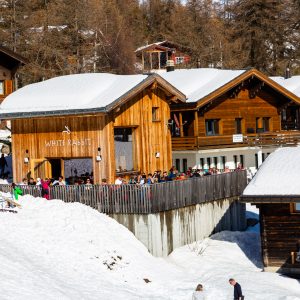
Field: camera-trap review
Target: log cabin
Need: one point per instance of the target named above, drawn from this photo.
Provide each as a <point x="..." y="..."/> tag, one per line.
<point x="93" y="125"/>
<point x="154" y="57"/>
<point x="9" y="65"/>
<point x="230" y="117"/>
<point x="275" y="190"/>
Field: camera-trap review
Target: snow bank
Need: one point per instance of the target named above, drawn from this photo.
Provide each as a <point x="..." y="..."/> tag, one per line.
<point x="278" y="175"/>
<point x="78" y="91"/>
<point x="56" y="250"/>
<point x="198" y="83"/>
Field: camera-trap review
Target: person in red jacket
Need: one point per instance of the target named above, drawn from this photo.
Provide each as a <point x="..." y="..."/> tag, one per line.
<point x="45" y="188"/>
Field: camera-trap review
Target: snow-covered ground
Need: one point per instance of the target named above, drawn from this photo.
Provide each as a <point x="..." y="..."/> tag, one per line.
<point x="56" y="250"/>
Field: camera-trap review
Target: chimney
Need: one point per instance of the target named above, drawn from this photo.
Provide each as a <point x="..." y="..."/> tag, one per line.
<point x="287" y="74"/>
<point x="198" y="63"/>
<point x="170" y="65"/>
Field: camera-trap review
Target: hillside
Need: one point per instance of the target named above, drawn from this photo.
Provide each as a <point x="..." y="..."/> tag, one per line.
<point x="54" y="250"/>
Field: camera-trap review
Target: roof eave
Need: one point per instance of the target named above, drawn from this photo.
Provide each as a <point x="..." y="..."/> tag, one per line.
<point x="56" y="113"/>
<point x="261" y="199"/>
<point x="234" y="82"/>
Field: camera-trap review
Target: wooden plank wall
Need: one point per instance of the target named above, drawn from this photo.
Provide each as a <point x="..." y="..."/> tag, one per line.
<point x="227" y="109"/>
<point x="149" y="136"/>
<point x="44" y="137"/>
<point x="279" y="234"/>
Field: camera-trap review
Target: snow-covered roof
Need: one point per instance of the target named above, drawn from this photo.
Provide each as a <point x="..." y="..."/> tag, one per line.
<point x="278" y="175"/>
<point x="291" y="84"/>
<point x="79" y="91"/>
<point x="198" y="83"/>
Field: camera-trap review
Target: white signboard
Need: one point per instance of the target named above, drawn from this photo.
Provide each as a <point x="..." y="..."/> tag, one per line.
<point x="237" y="138"/>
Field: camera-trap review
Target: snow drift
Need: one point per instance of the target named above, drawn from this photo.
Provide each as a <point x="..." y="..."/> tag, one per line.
<point x="57" y="250"/>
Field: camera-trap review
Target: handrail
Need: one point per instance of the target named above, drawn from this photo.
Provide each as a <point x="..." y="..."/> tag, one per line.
<point x="146" y="199"/>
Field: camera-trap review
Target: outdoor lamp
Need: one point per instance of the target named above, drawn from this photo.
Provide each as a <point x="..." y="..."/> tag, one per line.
<point x="26" y="158"/>
<point x="99" y="157"/>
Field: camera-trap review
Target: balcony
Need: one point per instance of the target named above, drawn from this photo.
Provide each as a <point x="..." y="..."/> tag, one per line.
<point x="270" y="139"/>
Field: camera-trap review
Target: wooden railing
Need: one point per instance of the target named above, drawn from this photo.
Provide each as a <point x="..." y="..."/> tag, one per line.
<point x="282" y="138"/>
<point x="145" y="199"/>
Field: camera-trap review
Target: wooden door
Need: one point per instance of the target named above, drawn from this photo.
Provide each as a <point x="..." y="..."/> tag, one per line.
<point x="40" y="168"/>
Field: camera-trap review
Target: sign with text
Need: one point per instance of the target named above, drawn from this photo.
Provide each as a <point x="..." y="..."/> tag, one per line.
<point x="68" y="143"/>
<point x="237" y="138"/>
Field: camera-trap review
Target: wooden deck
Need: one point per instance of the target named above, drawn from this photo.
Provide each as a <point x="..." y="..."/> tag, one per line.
<point x="282" y="138"/>
<point x="146" y="199"/>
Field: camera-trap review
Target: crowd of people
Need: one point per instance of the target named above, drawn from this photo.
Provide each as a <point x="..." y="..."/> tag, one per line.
<point x="173" y="174"/>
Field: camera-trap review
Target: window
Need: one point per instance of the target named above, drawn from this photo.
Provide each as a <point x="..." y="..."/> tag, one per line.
<point x="235" y="159"/>
<point x="215" y="162"/>
<point x="177" y="164"/>
<point x="184" y="165"/>
<point x="1" y="87"/>
<point x="242" y="160"/>
<point x="256" y="160"/>
<point x="155" y="116"/>
<point x="223" y="162"/>
<point x="262" y="124"/>
<point x="212" y="127"/>
<point x="123" y="149"/>
<point x="201" y="163"/>
<point x="208" y="160"/>
<point x="295" y="208"/>
<point x="266" y="124"/>
<point x="179" y="60"/>
<point x="263" y="157"/>
<point x="238" y="125"/>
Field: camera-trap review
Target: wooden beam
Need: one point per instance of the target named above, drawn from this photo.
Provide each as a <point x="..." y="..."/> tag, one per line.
<point x="181" y="124"/>
<point x="196" y="127"/>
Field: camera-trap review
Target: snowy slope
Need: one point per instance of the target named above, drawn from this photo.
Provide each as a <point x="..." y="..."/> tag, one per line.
<point x="55" y="250"/>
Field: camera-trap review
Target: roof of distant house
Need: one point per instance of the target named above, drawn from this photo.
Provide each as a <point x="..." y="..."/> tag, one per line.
<point x="198" y="83"/>
<point x="291" y="84"/>
<point x="278" y="175"/>
<point x="74" y="93"/>
<point x="10" y="59"/>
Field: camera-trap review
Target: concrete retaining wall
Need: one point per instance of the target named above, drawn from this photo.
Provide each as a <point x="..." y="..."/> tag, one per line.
<point x="161" y="233"/>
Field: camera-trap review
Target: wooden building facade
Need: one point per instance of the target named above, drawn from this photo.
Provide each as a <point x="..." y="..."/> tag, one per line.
<point x="231" y="123"/>
<point x="128" y="136"/>
<point x="274" y="190"/>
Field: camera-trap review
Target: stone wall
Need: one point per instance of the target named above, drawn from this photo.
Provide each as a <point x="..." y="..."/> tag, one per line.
<point x="163" y="232"/>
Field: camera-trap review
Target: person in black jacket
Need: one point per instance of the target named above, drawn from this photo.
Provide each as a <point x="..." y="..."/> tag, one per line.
<point x="237" y="293"/>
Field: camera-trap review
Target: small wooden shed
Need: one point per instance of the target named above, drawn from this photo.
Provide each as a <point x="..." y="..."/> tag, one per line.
<point x="93" y="125"/>
<point x="275" y="190"/>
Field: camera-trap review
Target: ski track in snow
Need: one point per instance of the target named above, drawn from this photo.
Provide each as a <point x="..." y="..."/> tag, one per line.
<point x="56" y="250"/>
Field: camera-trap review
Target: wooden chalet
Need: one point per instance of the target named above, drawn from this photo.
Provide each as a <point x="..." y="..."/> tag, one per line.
<point x="230" y="117"/>
<point x="154" y="57"/>
<point x="9" y="64"/>
<point x="91" y="125"/>
<point x="275" y="190"/>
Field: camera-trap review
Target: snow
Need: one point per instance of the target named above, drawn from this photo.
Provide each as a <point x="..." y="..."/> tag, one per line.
<point x="78" y="91"/>
<point x="57" y="250"/>
<point x="291" y="84"/>
<point x="278" y="175"/>
<point x="198" y="83"/>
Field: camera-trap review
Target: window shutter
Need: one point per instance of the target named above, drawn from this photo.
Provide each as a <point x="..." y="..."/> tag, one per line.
<point x="8" y="87"/>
